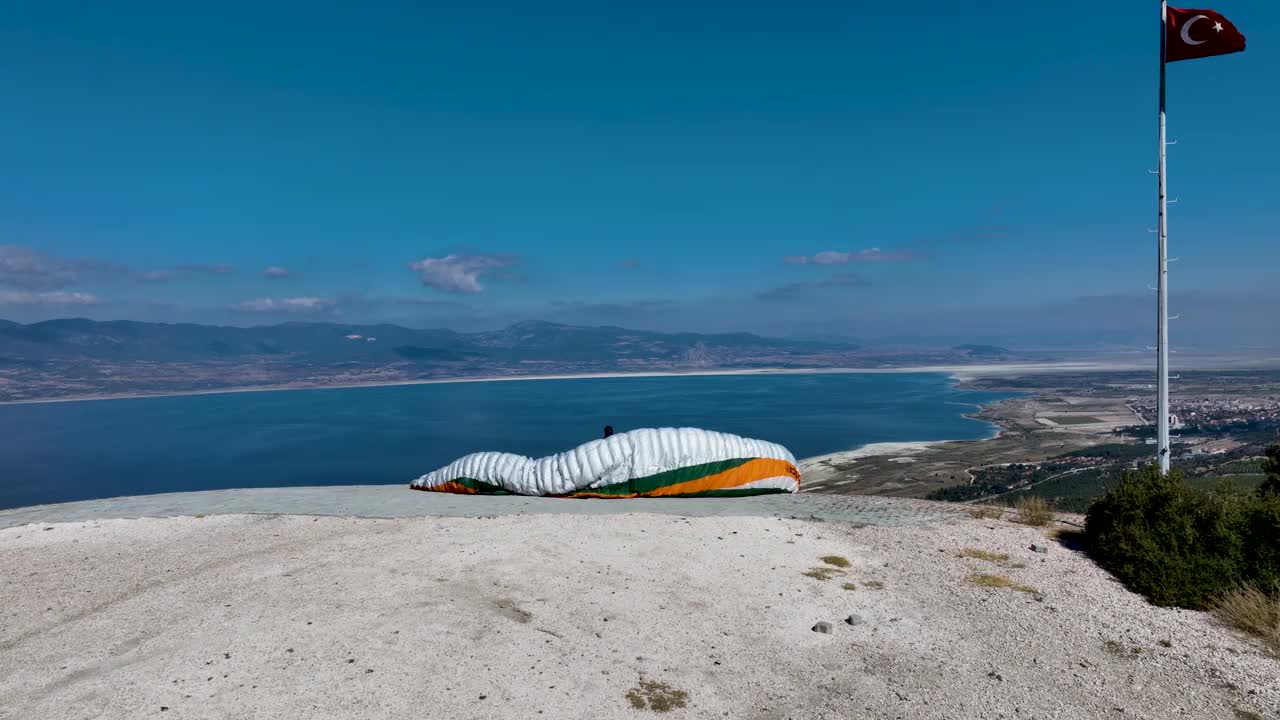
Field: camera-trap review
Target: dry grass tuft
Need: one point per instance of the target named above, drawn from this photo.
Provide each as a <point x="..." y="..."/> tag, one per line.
<point x="657" y="696"/>
<point x="1249" y="609"/>
<point x="873" y="584"/>
<point x="1000" y="581"/>
<point x="849" y="586"/>
<point x="823" y="573"/>
<point x="835" y="560"/>
<point x="975" y="553"/>
<point x="986" y="512"/>
<point x="1033" y="510"/>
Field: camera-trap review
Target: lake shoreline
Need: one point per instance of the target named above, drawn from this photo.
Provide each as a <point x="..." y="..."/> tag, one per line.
<point x="958" y="373"/>
<point x="908" y="448"/>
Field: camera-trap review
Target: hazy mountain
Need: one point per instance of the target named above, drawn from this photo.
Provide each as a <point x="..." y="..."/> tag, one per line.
<point x="80" y="339"/>
<point x="983" y="351"/>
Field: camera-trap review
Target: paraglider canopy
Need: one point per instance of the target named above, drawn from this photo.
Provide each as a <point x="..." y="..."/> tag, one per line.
<point x="664" y="462"/>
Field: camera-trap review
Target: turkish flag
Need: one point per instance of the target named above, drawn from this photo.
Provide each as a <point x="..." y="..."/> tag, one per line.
<point x="1191" y="34"/>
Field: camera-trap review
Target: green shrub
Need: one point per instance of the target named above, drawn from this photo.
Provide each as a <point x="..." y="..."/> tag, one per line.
<point x="1262" y="551"/>
<point x="1182" y="546"/>
<point x="1271" y="466"/>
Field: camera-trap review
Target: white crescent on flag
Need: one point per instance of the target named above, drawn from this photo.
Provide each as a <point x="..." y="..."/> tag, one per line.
<point x="1186" y="30"/>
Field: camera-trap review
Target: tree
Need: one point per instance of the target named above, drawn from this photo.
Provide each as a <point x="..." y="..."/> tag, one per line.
<point x="1271" y="466"/>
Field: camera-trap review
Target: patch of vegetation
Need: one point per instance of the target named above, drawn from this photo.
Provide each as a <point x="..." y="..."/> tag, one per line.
<point x="1023" y="478"/>
<point x="1181" y="546"/>
<point x="961" y="493"/>
<point x="1073" y="419"/>
<point x="1271" y="466"/>
<point x="657" y="696"/>
<point x="1073" y="492"/>
<point x="823" y="573"/>
<point x="1112" y="451"/>
<point x="1249" y="609"/>
<point x="873" y="584"/>
<point x="975" y="553"/>
<point x="849" y="586"/>
<point x="1165" y="644"/>
<point x="1034" y="511"/>
<point x="1000" y="581"/>
<point x="1242" y="714"/>
<point x="835" y="560"/>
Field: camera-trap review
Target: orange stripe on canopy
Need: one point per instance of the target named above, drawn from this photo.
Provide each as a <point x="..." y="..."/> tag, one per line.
<point x="744" y="474"/>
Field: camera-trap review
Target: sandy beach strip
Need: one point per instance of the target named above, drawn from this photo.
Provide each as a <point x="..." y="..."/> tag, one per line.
<point x="957" y="372"/>
<point x="575" y="616"/>
<point x="820" y="469"/>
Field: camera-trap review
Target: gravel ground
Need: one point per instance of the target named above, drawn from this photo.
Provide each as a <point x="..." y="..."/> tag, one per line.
<point x="580" y="616"/>
<point x="388" y="501"/>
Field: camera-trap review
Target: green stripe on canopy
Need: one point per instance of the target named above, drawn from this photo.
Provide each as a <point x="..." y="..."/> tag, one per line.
<point x="670" y="477"/>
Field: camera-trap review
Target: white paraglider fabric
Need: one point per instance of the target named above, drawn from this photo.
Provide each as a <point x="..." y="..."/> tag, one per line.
<point x="621" y="458"/>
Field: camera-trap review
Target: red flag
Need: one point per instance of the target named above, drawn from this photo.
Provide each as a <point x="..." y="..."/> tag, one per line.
<point x="1191" y="34"/>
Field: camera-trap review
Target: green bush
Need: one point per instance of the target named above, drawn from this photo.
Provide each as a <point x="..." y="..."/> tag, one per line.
<point x="1182" y="546"/>
<point x="1262" y="552"/>
<point x="1271" y="466"/>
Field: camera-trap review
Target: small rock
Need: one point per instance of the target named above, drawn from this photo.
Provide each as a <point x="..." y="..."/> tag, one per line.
<point x="854" y="619"/>
<point x="823" y="627"/>
<point x="1040" y="548"/>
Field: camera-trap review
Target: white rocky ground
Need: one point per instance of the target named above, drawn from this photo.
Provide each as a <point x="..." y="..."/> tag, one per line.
<point x="560" y="616"/>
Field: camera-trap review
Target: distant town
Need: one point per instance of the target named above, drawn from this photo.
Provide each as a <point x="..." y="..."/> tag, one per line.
<point x="1075" y="434"/>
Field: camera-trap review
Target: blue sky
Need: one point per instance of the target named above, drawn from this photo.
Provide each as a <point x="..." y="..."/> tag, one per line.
<point x="946" y="170"/>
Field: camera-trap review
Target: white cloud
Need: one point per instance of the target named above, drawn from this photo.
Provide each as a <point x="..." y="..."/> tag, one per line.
<point x="831" y="257"/>
<point x="458" y="273"/>
<point x="294" y="304"/>
<point x="870" y="255"/>
<point x="58" y="298"/>
<point x="22" y="267"/>
<point x="275" y="271"/>
<point x="182" y="271"/>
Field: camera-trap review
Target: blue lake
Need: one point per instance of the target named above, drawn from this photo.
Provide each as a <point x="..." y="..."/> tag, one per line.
<point x="58" y="452"/>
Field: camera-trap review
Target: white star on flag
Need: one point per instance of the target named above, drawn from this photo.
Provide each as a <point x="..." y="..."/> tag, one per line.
<point x="1217" y="27"/>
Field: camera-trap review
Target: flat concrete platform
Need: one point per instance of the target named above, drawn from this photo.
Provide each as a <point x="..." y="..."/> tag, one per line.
<point x="390" y="501"/>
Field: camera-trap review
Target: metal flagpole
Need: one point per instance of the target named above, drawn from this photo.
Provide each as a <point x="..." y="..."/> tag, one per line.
<point x="1162" y="286"/>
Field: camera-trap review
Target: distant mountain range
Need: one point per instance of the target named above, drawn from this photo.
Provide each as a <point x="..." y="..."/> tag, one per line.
<point x="327" y="342"/>
<point x="75" y="357"/>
